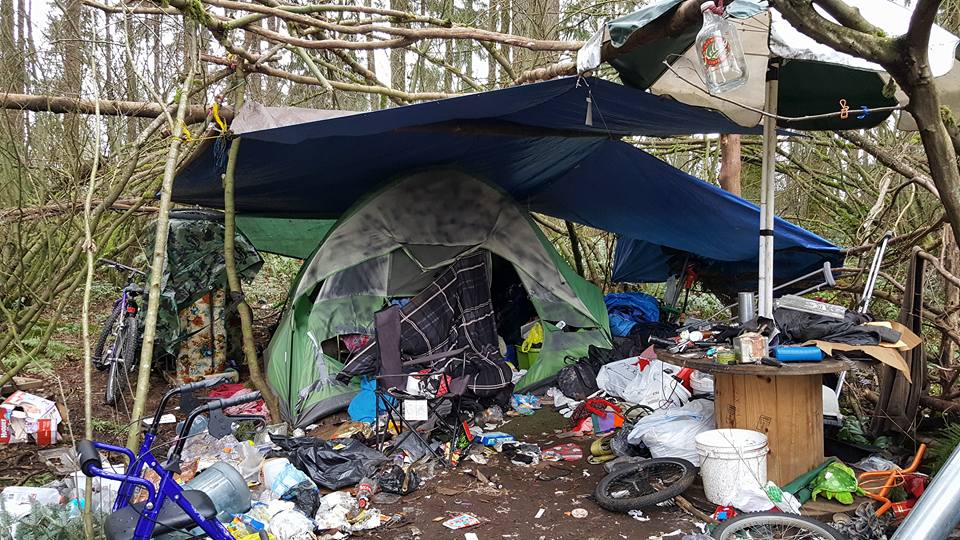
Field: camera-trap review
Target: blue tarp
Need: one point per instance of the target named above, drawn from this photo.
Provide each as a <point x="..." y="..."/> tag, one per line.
<point x="629" y="308"/>
<point x="534" y="142"/>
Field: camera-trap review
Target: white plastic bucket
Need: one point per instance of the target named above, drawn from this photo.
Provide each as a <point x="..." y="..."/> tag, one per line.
<point x="729" y="459"/>
<point x="701" y="383"/>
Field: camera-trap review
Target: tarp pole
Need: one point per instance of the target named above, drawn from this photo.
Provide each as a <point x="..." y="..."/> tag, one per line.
<point x="767" y="194"/>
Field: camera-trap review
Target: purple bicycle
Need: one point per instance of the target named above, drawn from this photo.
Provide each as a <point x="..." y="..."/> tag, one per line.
<point x="119" y="341"/>
<point x="168" y="507"/>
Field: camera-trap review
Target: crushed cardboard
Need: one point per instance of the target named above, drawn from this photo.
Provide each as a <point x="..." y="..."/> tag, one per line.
<point x="888" y="353"/>
<point x="24" y="416"/>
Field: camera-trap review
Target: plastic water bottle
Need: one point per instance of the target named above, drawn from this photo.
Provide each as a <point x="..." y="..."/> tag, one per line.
<point x="722" y="63"/>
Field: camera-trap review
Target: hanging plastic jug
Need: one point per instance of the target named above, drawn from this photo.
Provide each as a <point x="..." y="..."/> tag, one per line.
<point x="722" y="64"/>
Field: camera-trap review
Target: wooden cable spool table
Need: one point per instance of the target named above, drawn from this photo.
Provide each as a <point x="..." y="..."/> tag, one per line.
<point x="785" y="403"/>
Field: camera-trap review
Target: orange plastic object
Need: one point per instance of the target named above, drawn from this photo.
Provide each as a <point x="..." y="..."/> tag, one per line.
<point x="887" y="480"/>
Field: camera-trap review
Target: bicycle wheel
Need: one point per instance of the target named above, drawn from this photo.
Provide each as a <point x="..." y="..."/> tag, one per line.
<point x="647" y="483"/>
<point x="106" y="333"/>
<point x="122" y="361"/>
<point x="775" y="526"/>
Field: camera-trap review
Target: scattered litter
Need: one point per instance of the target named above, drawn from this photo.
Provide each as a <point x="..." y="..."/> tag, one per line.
<point x="24" y="416"/>
<point x="525" y="404"/>
<point x="539" y="513"/>
<point x="492" y="438"/>
<point x="17" y="500"/>
<point x="875" y="463"/>
<point x="339" y="510"/>
<point x="578" y="513"/>
<point x="664" y="535"/>
<point x="282" y="478"/>
<point x="461" y="521"/>
<point x="167" y="418"/>
<point x="291" y="525"/>
<point x="586" y="473"/>
<point x="563" y="452"/>
<point x="638" y="515"/>
<point x="479" y="459"/>
<point x="470" y="536"/>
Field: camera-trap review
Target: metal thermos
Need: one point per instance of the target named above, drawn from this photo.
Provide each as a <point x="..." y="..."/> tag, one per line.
<point x="745" y="309"/>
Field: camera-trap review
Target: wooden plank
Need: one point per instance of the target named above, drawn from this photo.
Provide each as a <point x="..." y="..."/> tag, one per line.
<point x="789" y="410"/>
<point x="725" y="410"/>
<point x="798" y="407"/>
<point x="21" y="383"/>
<point x="707" y="365"/>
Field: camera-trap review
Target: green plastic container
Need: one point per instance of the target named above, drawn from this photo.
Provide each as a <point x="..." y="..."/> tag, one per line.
<point x="527" y="359"/>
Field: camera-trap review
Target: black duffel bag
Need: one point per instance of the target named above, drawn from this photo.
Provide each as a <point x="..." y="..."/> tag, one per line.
<point x="578" y="379"/>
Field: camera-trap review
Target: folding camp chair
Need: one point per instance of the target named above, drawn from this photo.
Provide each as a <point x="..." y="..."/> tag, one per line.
<point x="394" y="396"/>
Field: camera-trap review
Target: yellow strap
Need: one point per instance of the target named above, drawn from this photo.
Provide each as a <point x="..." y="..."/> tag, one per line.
<point x="217" y="119"/>
<point x="186" y="132"/>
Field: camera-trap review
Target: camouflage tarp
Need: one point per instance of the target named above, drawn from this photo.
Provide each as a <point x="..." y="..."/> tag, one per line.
<point x="194" y="267"/>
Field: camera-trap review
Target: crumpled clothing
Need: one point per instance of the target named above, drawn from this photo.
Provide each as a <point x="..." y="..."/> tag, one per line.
<point x="800" y="327"/>
<point x="255" y="408"/>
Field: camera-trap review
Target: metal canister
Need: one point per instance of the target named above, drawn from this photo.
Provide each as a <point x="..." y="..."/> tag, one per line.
<point x="745" y="308"/>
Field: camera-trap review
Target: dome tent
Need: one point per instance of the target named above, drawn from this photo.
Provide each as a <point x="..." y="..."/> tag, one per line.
<point x="393" y="244"/>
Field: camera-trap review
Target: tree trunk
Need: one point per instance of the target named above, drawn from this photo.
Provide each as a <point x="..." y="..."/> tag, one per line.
<point x="398" y="58"/>
<point x="951" y="263"/>
<point x="925" y="108"/>
<point x="141" y="109"/>
<point x="159" y="255"/>
<point x="730" y="164"/>
<point x="493" y="16"/>
<point x="233" y="280"/>
<point x="575" y="247"/>
<point x="90" y="249"/>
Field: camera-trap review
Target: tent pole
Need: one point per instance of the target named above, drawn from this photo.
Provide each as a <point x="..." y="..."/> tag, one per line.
<point x="767" y="195"/>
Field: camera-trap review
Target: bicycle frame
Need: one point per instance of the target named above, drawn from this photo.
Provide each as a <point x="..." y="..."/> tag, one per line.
<point x="168" y="490"/>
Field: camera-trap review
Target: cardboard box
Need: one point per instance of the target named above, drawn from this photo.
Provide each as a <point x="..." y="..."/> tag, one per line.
<point x="24" y="416"/>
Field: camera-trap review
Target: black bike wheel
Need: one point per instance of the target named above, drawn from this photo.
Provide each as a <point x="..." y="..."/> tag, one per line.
<point x="113" y="373"/>
<point x="98" y="360"/>
<point x="647" y="483"/>
<point x="775" y="526"/>
<point x="122" y="363"/>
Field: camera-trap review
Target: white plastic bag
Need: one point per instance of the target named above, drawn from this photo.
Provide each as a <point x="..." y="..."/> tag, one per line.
<point x="291" y="525"/>
<point x="672" y="432"/>
<point x="643" y="382"/>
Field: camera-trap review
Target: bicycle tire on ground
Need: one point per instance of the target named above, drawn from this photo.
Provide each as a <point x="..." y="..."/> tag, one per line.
<point x="751" y="526"/>
<point x="686" y="470"/>
<point x="105" y="334"/>
<point x="120" y="366"/>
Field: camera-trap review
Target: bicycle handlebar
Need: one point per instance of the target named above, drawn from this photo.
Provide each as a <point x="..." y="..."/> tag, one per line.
<point x="197" y="385"/>
<point x="117" y="266"/>
<point x="173" y="464"/>
<point x="249" y="397"/>
<point x="201" y="384"/>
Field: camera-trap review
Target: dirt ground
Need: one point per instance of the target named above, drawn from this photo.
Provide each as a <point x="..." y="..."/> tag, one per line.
<point x="508" y="510"/>
<point x="557" y="488"/>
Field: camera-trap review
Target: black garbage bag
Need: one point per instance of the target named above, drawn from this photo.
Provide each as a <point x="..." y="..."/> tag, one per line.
<point x="306" y="498"/>
<point x="800" y="327"/>
<point x="333" y="464"/>
<point x="399" y="480"/>
<point x="578" y="379"/>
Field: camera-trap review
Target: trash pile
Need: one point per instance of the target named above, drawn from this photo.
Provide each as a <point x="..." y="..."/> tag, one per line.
<point x="650" y="423"/>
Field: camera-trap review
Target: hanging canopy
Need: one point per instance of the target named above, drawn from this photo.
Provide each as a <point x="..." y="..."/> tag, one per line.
<point x="535" y="142"/>
<point x="814" y="78"/>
